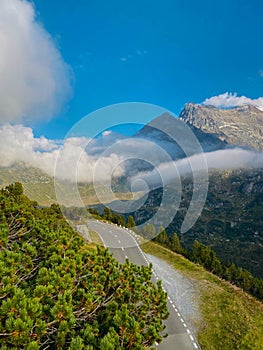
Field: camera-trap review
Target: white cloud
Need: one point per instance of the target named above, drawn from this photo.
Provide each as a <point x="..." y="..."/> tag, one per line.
<point x="82" y="159"/>
<point x="18" y="144"/>
<point x="260" y="73"/>
<point x="236" y="158"/>
<point x="35" y="81"/>
<point x="75" y="164"/>
<point x="228" y="100"/>
<point x="106" y="133"/>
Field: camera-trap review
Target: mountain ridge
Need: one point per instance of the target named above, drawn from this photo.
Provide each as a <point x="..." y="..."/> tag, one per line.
<point x="239" y="126"/>
<point x="162" y="130"/>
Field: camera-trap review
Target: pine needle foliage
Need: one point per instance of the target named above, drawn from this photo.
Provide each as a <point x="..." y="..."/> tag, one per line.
<point x="57" y="293"/>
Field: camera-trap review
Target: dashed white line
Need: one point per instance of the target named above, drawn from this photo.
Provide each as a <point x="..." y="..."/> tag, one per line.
<point x="168" y="297"/>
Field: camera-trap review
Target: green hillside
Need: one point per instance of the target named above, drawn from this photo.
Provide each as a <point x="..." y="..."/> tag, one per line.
<point x="37" y="185"/>
<point x="40" y="187"/>
<point x="231" y="221"/>
<point x="56" y="292"/>
<point x="229" y="318"/>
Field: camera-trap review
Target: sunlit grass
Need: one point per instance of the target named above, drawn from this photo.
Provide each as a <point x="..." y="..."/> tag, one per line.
<point x="230" y="319"/>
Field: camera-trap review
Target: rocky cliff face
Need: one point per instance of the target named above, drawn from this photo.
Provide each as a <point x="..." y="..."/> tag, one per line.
<point x="241" y="126"/>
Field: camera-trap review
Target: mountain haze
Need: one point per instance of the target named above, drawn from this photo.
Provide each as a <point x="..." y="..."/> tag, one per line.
<point x="157" y="128"/>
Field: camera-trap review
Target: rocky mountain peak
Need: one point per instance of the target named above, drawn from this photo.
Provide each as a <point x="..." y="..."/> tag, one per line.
<point x="241" y="126"/>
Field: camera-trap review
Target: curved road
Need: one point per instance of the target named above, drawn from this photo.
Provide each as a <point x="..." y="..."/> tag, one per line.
<point x="124" y="246"/>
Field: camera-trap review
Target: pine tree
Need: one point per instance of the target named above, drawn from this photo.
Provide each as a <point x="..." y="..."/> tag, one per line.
<point x="175" y="244"/>
<point x="107" y="214"/>
<point x="162" y="237"/>
<point x="131" y="222"/>
<point x="149" y="231"/>
<point x="56" y="290"/>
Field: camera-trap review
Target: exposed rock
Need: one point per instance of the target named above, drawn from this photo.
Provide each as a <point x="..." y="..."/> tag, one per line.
<point x="242" y="126"/>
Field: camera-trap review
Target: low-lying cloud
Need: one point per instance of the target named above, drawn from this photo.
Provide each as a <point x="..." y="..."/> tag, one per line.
<point x="80" y="158"/>
<point x="66" y="160"/>
<point x="166" y="173"/>
<point x="35" y="80"/>
<point x="229" y="100"/>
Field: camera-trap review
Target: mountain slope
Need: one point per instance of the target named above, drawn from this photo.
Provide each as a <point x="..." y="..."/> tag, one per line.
<point x="40" y="187"/>
<point x="228" y="317"/>
<point x="57" y="292"/>
<point x="159" y="128"/>
<point x="231" y="221"/>
<point x="242" y="126"/>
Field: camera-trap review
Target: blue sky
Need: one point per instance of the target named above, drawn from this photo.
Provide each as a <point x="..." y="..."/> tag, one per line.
<point x="165" y="53"/>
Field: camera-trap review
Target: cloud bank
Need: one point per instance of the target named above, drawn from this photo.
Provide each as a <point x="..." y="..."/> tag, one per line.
<point x="229" y="100"/>
<point x="80" y="158"/>
<point x="166" y="173"/>
<point x="35" y="81"/>
<point x="18" y="144"/>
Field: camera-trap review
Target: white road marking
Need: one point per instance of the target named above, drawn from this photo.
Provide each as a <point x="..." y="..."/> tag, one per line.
<point x="145" y="258"/>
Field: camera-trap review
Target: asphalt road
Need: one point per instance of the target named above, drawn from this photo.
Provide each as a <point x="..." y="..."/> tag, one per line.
<point x="124" y="246"/>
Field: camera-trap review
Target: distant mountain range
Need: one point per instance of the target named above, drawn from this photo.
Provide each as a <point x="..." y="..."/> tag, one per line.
<point x="231" y="221"/>
<point x="213" y="127"/>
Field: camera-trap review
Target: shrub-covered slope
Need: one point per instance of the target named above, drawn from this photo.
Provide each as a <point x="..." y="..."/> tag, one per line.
<point x="57" y="293"/>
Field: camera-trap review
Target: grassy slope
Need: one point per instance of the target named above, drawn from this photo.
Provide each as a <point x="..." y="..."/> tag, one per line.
<point x="231" y="319"/>
<point x="40" y="187"/>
